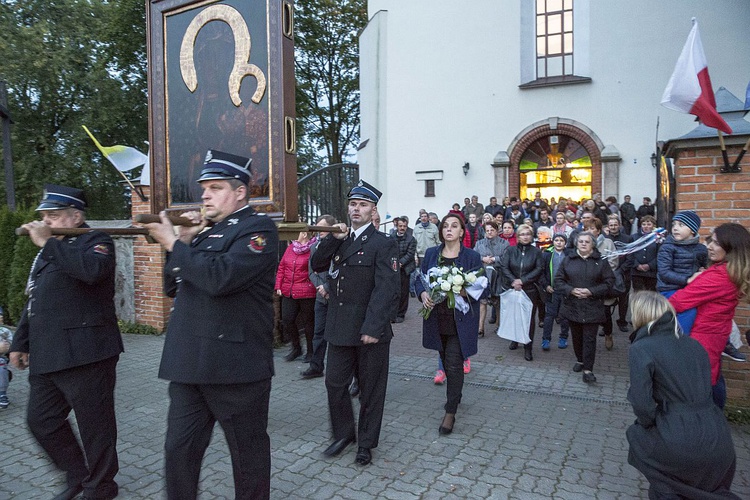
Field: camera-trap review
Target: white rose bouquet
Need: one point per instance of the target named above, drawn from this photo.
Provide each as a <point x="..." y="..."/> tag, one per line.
<point x="448" y="282"/>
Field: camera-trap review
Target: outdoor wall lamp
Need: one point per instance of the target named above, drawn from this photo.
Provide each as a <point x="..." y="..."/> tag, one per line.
<point x="466" y="168"/>
<point x="653" y="160"/>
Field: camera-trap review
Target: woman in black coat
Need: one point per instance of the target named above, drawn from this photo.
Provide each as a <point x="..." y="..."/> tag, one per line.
<point x="521" y="267"/>
<point x="680" y="440"/>
<point x="585" y="279"/>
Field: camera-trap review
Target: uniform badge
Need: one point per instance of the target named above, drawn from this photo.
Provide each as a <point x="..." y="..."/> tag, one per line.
<point x="337" y="258"/>
<point x="257" y="243"/>
<point x="215" y="235"/>
<point x="101" y="249"/>
<point x="364" y="238"/>
<point x="394" y="264"/>
<point x="232" y="222"/>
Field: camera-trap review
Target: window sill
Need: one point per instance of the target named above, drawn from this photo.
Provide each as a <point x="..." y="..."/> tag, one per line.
<point x="554" y="81"/>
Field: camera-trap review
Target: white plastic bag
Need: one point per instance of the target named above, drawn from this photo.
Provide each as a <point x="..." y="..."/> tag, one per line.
<point x="515" y="316"/>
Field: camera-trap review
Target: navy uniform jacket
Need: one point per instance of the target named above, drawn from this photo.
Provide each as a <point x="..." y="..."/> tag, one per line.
<point x="364" y="283"/>
<point x="69" y="319"/>
<point x="221" y="327"/>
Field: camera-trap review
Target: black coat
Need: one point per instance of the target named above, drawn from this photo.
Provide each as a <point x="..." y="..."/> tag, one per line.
<point x="221" y="327"/>
<point x="522" y="262"/>
<point x="647" y="255"/>
<point x="69" y="319"/>
<point x="364" y="282"/>
<point x="680" y="440"/>
<point x="593" y="273"/>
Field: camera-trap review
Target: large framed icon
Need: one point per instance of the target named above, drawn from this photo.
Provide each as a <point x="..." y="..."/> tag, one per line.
<point x="221" y="76"/>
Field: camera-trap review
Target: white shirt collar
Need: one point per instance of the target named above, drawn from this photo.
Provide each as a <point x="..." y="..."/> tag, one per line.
<point x="358" y="232"/>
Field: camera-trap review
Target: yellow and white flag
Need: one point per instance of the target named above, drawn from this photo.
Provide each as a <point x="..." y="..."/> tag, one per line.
<point x="124" y="158"/>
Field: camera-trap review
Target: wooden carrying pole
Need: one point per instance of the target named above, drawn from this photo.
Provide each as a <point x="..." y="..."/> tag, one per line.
<point x="287" y="230"/>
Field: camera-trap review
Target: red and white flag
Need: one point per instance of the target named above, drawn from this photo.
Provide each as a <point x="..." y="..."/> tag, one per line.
<point x="689" y="90"/>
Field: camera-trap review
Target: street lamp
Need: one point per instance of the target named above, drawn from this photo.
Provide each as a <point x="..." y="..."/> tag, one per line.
<point x="653" y="160"/>
<point x="466" y="168"/>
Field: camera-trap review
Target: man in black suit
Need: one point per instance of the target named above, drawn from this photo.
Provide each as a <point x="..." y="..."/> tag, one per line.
<point x="68" y="332"/>
<point x="364" y="282"/>
<point x="218" y="352"/>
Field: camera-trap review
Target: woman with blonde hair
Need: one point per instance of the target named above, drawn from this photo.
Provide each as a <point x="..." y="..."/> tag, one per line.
<point x="715" y="293"/>
<point x="680" y="440"/>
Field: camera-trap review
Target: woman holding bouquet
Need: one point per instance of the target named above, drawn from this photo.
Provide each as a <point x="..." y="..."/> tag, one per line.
<point x="448" y="330"/>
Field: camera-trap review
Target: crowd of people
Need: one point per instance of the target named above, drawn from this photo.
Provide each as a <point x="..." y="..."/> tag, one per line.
<point x="344" y="288"/>
<point x="577" y="264"/>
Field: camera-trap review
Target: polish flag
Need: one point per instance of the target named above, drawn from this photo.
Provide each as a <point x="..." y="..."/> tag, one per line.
<point x="689" y="89"/>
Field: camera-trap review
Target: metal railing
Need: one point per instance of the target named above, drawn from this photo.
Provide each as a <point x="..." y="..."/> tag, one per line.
<point x="324" y="191"/>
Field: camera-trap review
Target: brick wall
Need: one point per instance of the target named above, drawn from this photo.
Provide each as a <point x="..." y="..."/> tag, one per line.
<point x="719" y="198"/>
<point x="151" y="305"/>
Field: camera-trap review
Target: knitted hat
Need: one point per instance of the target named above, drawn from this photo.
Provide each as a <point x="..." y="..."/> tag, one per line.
<point x="690" y="219"/>
<point x="560" y="235"/>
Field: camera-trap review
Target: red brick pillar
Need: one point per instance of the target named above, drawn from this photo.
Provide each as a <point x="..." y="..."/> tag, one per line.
<point x="151" y="305"/>
<point x="717" y="198"/>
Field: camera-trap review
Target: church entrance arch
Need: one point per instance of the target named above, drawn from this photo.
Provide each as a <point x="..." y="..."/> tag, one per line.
<point x="557" y="157"/>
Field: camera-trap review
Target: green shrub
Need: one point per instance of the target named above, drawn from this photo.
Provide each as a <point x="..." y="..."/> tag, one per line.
<point x="23" y="256"/>
<point x="137" y="328"/>
<point x="9" y="221"/>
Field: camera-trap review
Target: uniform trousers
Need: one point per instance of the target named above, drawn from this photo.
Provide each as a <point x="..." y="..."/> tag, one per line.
<point x="242" y="412"/>
<point x="371" y="364"/>
<point x="89" y="391"/>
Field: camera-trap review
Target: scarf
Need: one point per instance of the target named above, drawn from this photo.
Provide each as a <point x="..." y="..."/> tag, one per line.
<point x="300" y="248"/>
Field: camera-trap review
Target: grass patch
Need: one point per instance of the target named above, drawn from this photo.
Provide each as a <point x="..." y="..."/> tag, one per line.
<point x="737" y="415"/>
<point x="137" y="328"/>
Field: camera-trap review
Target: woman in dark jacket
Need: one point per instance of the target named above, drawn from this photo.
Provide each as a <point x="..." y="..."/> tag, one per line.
<point x="449" y="331"/>
<point x="680" y="440"/>
<point x="585" y="280"/>
<point x="643" y="262"/>
<point x="522" y="268"/>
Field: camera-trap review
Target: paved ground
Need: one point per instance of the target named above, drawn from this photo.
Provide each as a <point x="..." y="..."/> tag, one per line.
<point x="524" y="431"/>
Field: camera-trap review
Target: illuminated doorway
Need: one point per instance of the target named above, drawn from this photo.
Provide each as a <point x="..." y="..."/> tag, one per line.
<point x="556" y="166"/>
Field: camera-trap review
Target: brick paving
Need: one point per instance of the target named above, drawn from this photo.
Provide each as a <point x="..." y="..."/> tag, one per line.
<point x="523" y="431"/>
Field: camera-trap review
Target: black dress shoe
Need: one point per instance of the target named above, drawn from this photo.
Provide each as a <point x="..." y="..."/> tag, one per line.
<point x="623" y="328"/>
<point x="513" y="346"/>
<point x="354" y="388"/>
<point x="493" y="321"/>
<point x="310" y="373"/>
<point x="295" y="353"/>
<point x="364" y="456"/>
<point x="70" y="492"/>
<point x="527" y="355"/>
<point x="578" y="367"/>
<point x="338" y="446"/>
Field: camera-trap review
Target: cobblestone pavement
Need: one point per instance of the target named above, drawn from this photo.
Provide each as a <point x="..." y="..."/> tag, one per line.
<point x="523" y="431"/>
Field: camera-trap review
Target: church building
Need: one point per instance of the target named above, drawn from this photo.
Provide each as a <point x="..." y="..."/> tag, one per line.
<point x="510" y="97"/>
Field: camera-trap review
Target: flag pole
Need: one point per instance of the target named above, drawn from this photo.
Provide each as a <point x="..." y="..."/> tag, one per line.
<point x="723" y="150"/>
<point x="736" y="164"/>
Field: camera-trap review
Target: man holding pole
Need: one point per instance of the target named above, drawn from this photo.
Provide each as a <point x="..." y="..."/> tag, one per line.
<point x="69" y="339"/>
<point x="218" y="353"/>
<point x="363" y="278"/>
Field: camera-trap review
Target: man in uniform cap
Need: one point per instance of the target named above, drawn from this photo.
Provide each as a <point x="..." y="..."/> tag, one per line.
<point x="218" y="353"/>
<point x="69" y="339"/>
<point x="363" y="278"/>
